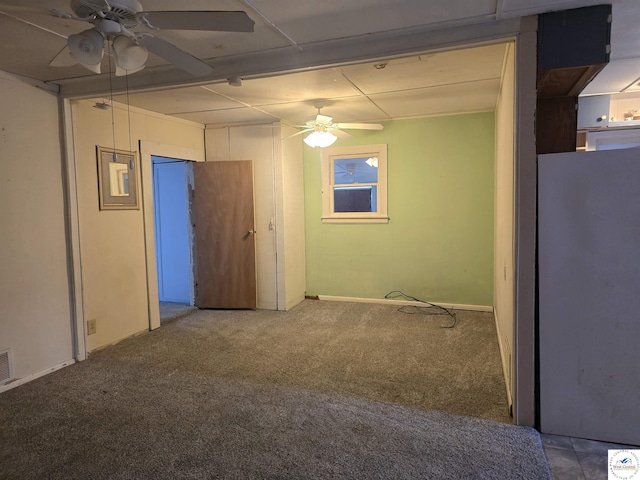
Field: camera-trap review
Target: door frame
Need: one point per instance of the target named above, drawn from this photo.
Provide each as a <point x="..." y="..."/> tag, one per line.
<point x="147" y="150"/>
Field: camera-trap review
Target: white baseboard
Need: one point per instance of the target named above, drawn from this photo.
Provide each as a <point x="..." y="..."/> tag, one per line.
<point x="21" y="381"/>
<point x="391" y="301"/>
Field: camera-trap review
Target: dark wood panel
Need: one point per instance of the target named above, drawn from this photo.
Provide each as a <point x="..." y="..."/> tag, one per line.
<point x="225" y="243"/>
<point x="556" y="125"/>
<point x="563" y="82"/>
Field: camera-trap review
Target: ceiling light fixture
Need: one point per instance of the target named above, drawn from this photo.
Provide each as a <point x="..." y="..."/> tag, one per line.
<point x="320" y="138"/>
<point x="130" y="57"/>
<point x="235" y="81"/>
<point x="87" y="48"/>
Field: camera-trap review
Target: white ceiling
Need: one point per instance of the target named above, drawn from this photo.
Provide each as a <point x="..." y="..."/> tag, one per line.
<point x="450" y="82"/>
<point x="409" y="85"/>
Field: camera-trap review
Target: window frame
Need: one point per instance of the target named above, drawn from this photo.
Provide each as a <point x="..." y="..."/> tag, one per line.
<point x="329" y="155"/>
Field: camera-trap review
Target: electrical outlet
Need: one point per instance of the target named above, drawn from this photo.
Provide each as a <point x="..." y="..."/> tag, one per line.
<point x="91" y="326"/>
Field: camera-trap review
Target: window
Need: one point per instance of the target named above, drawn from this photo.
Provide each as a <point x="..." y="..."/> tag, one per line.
<point x="354" y="184"/>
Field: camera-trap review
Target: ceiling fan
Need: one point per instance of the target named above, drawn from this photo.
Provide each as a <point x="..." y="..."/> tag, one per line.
<point x="325" y="131"/>
<point x="114" y="22"/>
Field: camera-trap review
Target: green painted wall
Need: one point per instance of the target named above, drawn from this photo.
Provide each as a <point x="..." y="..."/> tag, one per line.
<point x="438" y="244"/>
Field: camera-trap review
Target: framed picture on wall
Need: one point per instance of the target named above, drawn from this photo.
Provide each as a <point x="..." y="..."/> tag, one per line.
<point x="117" y="179"/>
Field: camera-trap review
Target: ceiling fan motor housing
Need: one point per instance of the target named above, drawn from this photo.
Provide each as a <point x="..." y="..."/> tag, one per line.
<point x="117" y="10"/>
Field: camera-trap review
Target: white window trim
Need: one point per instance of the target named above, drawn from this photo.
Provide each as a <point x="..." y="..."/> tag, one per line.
<point x="328" y="156"/>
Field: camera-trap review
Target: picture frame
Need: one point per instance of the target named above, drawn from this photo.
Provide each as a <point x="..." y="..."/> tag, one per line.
<point x="117" y="179"/>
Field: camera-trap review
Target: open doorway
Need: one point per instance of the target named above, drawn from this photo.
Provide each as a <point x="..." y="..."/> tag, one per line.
<point x="172" y="182"/>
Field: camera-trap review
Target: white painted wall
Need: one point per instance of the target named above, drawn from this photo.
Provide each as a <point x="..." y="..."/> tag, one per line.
<point x="256" y="143"/>
<point x="36" y="317"/>
<point x="504" y="270"/>
<point x="589" y="232"/>
<point x="112" y="243"/>
<point x="279" y="200"/>
<point x="291" y="223"/>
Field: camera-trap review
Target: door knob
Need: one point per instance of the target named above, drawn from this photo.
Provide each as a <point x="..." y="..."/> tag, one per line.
<point x="250" y="232"/>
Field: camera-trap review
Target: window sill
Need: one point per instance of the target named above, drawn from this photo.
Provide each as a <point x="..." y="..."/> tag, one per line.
<point x="354" y="220"/>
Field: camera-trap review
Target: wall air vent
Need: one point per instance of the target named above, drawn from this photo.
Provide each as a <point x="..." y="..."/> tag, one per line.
<point x="5" y="366"/>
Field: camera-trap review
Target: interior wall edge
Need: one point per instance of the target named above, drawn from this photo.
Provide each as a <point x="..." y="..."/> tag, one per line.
<point x="73" y="231"/>
<point x="505" y="356"/>
<point x="525" y="228"/>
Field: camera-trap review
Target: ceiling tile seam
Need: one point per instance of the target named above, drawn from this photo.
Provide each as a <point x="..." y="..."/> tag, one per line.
<point x="379" y="107"/>
<point x="632" y="84"/>
<point x="432" y="86"/>
<point x="621" y="59"/>
<point x="344" y="75"/>
<point x="209" y="89"/>
<point x="308" y="100"/>
<point x="349" y="81"/>
<point x="35" y="25"/>
<point x="446" y="113"/>
<point x="271" y="24"/>
<point x="187" y="112"/>
<point x="246" y="105"/>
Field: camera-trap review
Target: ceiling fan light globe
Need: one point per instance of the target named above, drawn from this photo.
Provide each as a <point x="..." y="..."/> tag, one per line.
<point x="320" y="139"/>
<point x="121" y="72"/>
<point x="129" y="55"/>
<point x="87" y="48"/>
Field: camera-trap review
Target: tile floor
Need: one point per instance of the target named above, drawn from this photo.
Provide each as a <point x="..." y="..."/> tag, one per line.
<point x="577" y="458"/>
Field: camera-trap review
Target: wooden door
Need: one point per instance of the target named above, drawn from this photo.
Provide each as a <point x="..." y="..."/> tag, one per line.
<point x="224" y="234"/>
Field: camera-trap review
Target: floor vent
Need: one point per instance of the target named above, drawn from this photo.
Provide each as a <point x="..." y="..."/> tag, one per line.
<point x="5" y="367"/>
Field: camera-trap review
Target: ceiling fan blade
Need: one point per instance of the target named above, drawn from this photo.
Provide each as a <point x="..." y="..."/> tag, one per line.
<point x="216" y="21"/>
<point x="338" y="133"/>
<point x="63" y="58"/>
<point x="360" y="126"/>
<point x="181" y="59"/>
<point x="298" y="133"/>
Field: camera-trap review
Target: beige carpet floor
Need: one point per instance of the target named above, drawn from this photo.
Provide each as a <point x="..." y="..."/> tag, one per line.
<point x="365" y="350"/>
<point x="326" y="390"/>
